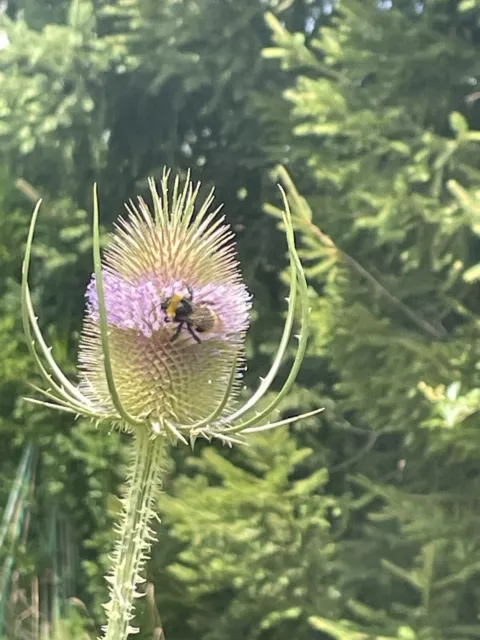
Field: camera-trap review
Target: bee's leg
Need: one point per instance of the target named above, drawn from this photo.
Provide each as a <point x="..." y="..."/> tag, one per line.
<point x="193" y="334"/>
<point x="190" y="291"/>
<point x="177" y="332"/>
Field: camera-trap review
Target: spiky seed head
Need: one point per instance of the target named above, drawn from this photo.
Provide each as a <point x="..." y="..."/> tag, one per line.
<point x="181" y="251"/>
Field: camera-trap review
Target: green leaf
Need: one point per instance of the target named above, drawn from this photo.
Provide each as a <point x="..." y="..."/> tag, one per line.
<point x="472" y="274"/>
<point x="458" y="123"/>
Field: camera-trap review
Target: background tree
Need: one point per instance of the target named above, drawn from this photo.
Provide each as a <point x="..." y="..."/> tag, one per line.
<point x="359" y="524"/>
<point x="384" y="122"/>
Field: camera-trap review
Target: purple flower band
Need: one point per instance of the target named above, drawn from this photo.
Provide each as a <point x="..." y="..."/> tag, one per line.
<point x="137" y="306"/>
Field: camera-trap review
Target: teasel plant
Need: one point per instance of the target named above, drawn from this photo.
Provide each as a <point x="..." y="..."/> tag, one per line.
<point x="161" y="354"/>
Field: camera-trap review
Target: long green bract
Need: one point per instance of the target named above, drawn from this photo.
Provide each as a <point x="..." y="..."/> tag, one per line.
<point x="302" y="343"/>
<point x="29" y="319"/>
<point x="287" y="330"/>
<point x="102" y="312"/>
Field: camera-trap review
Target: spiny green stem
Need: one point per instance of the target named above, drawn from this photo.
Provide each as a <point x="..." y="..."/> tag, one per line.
<point x="134" y="534"/>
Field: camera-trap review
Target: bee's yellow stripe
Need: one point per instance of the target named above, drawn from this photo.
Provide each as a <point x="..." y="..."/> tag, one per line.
<point x="173" y="305"/>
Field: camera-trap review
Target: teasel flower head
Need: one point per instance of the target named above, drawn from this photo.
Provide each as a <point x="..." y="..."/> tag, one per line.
<point x="167" y="312"/>
<point x="162" y="353"/>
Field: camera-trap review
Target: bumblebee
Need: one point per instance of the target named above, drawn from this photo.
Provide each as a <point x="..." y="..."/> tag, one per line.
<point x="197" y="318"/>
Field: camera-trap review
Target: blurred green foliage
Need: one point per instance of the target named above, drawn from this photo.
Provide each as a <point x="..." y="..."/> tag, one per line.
<point x="361" y="523"/>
